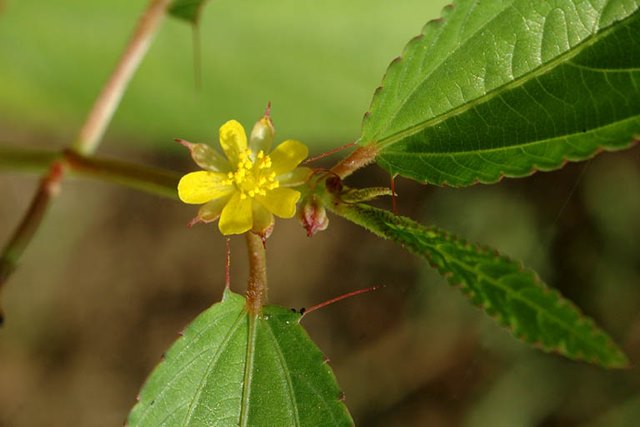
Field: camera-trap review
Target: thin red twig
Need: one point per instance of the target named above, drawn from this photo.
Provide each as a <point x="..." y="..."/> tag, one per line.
<point x="304" y="311"/>
<point x="328" y="153"/>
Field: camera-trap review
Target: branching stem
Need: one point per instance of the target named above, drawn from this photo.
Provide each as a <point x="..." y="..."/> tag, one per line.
<point x="161" y="182"/>
<point x="89" y="136"/>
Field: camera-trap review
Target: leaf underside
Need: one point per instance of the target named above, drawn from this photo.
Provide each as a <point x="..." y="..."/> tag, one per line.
<point x="505" y="88"/>
<point x="503" y="288"/>
<point x="189" y="10"/>
<point x="231" y="368"/>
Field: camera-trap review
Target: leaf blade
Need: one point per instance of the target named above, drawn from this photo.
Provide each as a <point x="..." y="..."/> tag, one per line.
<point x="224" y="370"/>
<point x="513" y="295"/>
<point x="458" y="109"/>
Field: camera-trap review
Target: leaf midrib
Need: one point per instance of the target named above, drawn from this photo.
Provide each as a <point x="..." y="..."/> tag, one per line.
<point x="248" y="371"/>
<point x="355" y="213"/>
<point x="515" y="295"/>
<point x="521" y="145"/>
<point x="439" y="64"/>
<point x="523" y="79"/>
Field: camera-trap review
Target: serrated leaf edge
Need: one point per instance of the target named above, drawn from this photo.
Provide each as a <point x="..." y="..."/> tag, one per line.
<point x="520" y="80"/>
<point x="481" y="249"/>
<point x="533" y="168"/>
<point x="353" y="213"/>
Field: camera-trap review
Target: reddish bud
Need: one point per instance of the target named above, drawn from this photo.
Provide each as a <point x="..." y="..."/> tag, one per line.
<point x="313" y="216"/>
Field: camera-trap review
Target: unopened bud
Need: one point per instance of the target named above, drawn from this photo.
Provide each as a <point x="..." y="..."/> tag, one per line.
<point x="313" y="216"/>
<point x="262" y="134"/>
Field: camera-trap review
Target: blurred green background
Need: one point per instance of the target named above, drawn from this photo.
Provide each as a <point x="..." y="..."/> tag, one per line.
<point x="318" y="63"/>
<point x="113" y="275"/>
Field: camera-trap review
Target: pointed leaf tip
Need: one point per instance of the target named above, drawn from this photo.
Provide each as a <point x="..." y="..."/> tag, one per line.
<point x="513" y="295"/>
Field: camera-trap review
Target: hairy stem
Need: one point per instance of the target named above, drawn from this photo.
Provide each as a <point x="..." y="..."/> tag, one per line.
<point x="257" y="285"/>
<point x="112" y="92"/>
<point x="360" y="158"/>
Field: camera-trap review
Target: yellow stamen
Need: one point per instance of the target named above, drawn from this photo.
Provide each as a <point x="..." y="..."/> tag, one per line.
<point x="253" y="178"/>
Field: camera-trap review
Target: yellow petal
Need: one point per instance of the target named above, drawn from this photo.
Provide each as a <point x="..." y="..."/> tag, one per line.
<point x="211" y="211"/>
<point x="206" y="157"/>
<point x="233" y="141"/>
<point x="287" y="156"/>
<point x="203" y="186"/>
<point x="280" y="201"/>
<point x="262" y="218"/>
<point x="237" y="215"/>
<point x="294" y="178"/>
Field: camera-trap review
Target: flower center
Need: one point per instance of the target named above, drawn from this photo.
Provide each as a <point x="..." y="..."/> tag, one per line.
<point x="253" y="177"/>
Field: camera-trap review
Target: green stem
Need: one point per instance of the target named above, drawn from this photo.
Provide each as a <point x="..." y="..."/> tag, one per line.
<point x="27" y="160"/>
<point x="148" y="179"/>
<point x="257" y="285"/>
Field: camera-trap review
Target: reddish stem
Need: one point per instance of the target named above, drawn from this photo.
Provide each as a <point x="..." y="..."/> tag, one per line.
<point x="12" y="252"/>
<point x="360" y="158"/>
<point x="227" y="265"/>
<point x="112" y="92"/>
<point x="257" y="284"/>
<point x="89" y="136"/>
<point x="394" y="204"/>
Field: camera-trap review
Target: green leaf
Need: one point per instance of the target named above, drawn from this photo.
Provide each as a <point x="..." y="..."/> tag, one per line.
<point x="233" y="368"/>
<point x="503" y="288"/>
<point x="505" y="88"/>
<point x="189" y="10"/>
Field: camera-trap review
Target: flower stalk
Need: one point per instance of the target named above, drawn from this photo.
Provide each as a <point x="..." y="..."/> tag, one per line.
<point x="257" y="284"/>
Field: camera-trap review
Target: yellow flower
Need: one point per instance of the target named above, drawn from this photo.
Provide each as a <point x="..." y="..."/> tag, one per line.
<point x="249" y="186"/>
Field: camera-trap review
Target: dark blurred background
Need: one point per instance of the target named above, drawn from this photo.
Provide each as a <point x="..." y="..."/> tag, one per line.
<point x="113" y="274"/>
